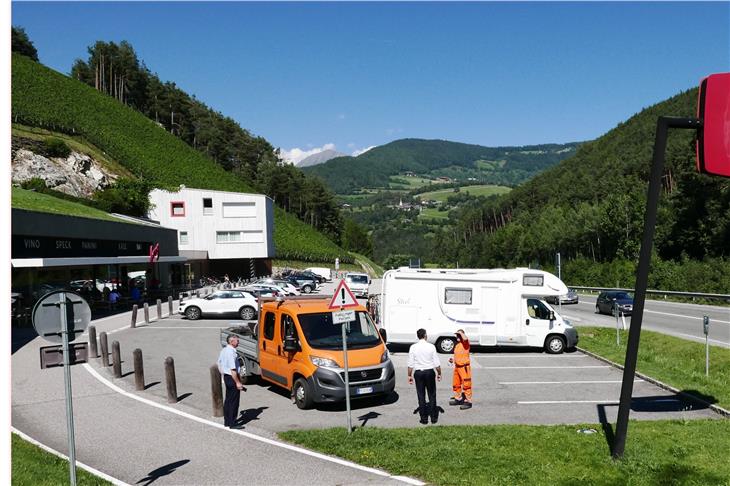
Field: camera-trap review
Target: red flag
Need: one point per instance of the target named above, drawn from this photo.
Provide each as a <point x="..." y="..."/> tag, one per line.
<point x="154" y="252"/>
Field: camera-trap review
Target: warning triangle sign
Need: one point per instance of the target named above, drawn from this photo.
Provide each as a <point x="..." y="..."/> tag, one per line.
<point x="343" y="297"/>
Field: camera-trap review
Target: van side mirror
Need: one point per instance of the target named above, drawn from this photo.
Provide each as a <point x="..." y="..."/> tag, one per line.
<point x="552" y="315"/>
<point x="713" y="144"/>
<point x="383" y="335"/>
<point x="291" y="344"/>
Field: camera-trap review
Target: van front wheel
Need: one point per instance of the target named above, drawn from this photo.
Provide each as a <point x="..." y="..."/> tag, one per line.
<point x="555" y="344"/>
<point x="302" y="394"/>
<point x="446" y="345"/>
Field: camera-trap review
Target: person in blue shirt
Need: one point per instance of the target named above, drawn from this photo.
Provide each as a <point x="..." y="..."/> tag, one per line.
<point x="229" y="368"/>
<point x="135" y="294"/>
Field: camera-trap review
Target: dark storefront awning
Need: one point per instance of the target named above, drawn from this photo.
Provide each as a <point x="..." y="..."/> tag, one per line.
<point x="67" y="262"/>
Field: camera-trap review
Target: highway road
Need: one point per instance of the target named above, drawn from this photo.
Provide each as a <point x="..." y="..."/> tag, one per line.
<point x="672" y="318"/>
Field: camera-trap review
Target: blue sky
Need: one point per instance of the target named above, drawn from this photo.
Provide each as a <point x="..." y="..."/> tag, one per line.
<point x="354" y="75"/>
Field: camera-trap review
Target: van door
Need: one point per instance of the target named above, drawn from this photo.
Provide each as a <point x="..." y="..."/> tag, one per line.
<point x="286" y="360"/>
<point x="536" y="319"/>
<point x="270" y="351"/>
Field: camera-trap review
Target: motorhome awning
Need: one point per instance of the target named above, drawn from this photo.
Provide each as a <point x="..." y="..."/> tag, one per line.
<point x="70" y="262"/>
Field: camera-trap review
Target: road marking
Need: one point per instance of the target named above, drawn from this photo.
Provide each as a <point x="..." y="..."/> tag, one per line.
<point x="542" y="367"/>
<point x="181" y="327"/>
<point x="562" y="382"/>
<point x="532" y="355"/>
<point x="249" y="435"/>
<point x="560" y="402"/>
<point x="712" y="321"/>
<point x="90" y="469"/>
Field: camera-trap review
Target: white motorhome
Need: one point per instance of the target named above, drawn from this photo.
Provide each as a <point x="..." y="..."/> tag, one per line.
<point x="500" y="307"/>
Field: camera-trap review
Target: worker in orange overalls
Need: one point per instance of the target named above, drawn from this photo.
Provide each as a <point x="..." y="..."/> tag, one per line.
<point x="462" y="372"/>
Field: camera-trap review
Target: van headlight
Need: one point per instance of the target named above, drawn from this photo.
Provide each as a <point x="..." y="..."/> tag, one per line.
<point x="384" y="356"/>
<point x="325" y="362"/>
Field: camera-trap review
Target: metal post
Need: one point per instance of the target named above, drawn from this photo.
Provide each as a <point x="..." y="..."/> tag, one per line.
<point x="159" y="309"/>
<point x="135" y="308"/>
<point x="216" y="390"/>
<point x="93" y="350"/>
<point x="169" y="305"/>
<point x="104" y="343"/>
<point x="138" y="370"/>
<point x="347" y="377"/>
<point x="146" y="313"/>
<point x="706" y="329"/>
<point x="170" y="380"/>
<point x="642" y="275"/>
<point x="116" y="359"/>
<point x="67" y="381"/>
<point x="618" y="341"/>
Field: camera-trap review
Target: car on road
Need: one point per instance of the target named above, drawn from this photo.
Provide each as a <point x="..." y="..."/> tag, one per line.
<point x="359" y="283"/>
<point x="222" y="302"/>
<point x="570" y="298"/>
<point x="614" y="302"/>
<point x="304" y="283"/>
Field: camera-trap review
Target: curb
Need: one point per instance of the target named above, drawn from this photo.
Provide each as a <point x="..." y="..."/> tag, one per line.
<point x="715" y="408"/>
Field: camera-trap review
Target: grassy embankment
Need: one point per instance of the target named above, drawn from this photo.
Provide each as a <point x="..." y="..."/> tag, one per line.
<point x="31" y="465"/>
<point x="657" y="452"/>
<point x="34" y="201"/>
<point x="45" y="99"/>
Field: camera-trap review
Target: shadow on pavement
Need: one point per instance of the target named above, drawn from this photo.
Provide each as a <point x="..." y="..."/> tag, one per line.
<point x="165" y="470"/>
<point x="183" y="396"/>
<point x="150" y="385"/>
<point x="673" y="403"/>
<point x="367" y="417"/>
<point x="21" y="336"/>
<point x="249" y="414"/>
<point x="359" y="403"/>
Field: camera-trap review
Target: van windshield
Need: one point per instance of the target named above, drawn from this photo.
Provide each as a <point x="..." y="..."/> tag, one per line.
<point x="358" y="279"/>
<point x="320" y="333"/>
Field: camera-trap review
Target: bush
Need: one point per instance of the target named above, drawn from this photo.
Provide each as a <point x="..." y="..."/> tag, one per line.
<point x="35" y="184"/>
<point x="55" y="147"/>
<point x="125" y="197"/>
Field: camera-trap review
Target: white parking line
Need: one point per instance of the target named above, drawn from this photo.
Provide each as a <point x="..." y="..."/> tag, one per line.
<point x="587" y="382"/>
<point x="542" y="367"/>
<point x="249" y="435"/>
<point x="181" y="327"/>
<point x="560" y="356"/>
<point x="559" y="402"/>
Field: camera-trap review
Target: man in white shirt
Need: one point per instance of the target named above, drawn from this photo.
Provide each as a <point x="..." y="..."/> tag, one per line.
<point x="229" y="367"/>
<point x="425" y="367"/>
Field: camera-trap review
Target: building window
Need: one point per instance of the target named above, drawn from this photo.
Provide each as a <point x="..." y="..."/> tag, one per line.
<point x="183" y="237"/>
<point x="177" y="208"/>
<point x="239" y="209"/>
<point x="457" y="296"/>
<point x="207" y="205"/>
<point x="227" y="236"/>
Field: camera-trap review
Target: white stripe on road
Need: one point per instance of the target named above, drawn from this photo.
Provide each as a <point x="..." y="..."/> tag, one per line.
<point x="533" y="355"/>
<point x="712" y="321"/>
<point x="181" y="327"/>
<point x="542" y="367"/>
<point x="560" y="402"/>
<point x="249" y="435"/>
<point x="562" y="382"/>
<point x="90" y="469"/>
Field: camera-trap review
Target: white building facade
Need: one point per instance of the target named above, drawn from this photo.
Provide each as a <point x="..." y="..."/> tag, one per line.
<point x="219" y="229"/>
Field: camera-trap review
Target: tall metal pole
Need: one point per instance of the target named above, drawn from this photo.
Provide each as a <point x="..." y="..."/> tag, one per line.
<point x="67" y="382"/>
<point x="642" y="274"/>
<point x="347" y="377"/>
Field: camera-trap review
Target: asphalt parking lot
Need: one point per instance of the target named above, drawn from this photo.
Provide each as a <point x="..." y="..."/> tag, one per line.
<point x="523" y="386"/>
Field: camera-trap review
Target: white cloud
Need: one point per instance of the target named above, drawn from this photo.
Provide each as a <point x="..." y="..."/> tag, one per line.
<point x="296" y="155"/>
<point x="362" y="151"/>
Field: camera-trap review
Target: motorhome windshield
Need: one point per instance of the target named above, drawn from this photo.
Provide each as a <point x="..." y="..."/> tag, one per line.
<point x="322" y="334"/>
<point x="358" y="279"/>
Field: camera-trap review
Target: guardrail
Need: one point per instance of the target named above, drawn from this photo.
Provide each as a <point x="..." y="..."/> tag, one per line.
<point x="693" y="295"/>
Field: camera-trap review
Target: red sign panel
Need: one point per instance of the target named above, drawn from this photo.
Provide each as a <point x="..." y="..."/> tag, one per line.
<point x="713" y="141"/>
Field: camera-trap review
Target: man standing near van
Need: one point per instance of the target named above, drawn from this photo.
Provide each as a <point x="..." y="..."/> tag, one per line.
<point x="424" y="366"/>
<point x="229" y="367"/>
<point x="462" y="372"/>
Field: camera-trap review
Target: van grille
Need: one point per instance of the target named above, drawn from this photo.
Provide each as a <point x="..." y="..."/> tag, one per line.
<point x="363" y="375"/>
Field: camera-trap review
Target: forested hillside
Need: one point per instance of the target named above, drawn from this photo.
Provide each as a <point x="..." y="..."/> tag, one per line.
<point x="44" y="98"/>
<point x="507" y="166"/>
<point x="591" y="208"/>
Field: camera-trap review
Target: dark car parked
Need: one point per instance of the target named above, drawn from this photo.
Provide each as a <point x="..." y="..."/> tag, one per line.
<point x="303" y="283"/>
<point x="614" y="302"/>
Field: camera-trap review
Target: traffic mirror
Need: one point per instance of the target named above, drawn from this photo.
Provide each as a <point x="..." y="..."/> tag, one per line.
<point x="713" y="140"/>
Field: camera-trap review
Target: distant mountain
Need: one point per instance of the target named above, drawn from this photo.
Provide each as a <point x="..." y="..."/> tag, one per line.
<point x="508" y="166"/>
<point x="320" y="158"/>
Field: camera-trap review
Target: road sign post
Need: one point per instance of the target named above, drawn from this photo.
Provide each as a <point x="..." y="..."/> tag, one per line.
<point x="54" y="319"/>
<point x="342" y="299"/>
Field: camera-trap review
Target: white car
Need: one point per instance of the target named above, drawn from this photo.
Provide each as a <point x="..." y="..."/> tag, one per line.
<point x="266" y="290"/>
<point x="220" y="303"/>
<point x="286" y="286"/>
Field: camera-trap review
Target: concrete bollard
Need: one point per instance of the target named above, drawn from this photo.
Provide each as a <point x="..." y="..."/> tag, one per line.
<point x="138" y="370"/>
<point x="159" y="309"/>
<point x="93" y="351"/>
<point x="216" y="389"/>
<point x="133" y="324"/>
<point x="146" y="313"/>
<point x="169" y="305"/>
<point x="170" y="380"/>
<point x="116" y="359"/>
<point x="104" y="343"/>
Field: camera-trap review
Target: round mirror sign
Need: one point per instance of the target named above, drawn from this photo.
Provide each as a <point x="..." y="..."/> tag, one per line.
<point x="47" y="315"/>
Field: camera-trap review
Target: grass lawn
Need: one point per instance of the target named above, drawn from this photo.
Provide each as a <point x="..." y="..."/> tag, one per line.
<point x="408" y="183"/>
<point x="672" y="360"/>
<point x="433" y="213"/>
<point x="32" y="465"/>
<point x="35" y="201"/>
<point x="480" y="190"/>
<point x="657" y="453"/>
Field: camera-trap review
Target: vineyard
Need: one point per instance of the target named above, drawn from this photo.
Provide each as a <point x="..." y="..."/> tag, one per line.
<point x="47" y="99"/>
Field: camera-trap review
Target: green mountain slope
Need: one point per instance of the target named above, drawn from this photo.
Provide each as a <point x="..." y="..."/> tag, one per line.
<point x="45" y="98"/>
<point x="591" y="206"/>
<point x="492" y="165"/>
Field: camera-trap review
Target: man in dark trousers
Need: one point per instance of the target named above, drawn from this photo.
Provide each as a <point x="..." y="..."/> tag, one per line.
<point x="229" y="367"/>
<point x="425" y="367"/>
